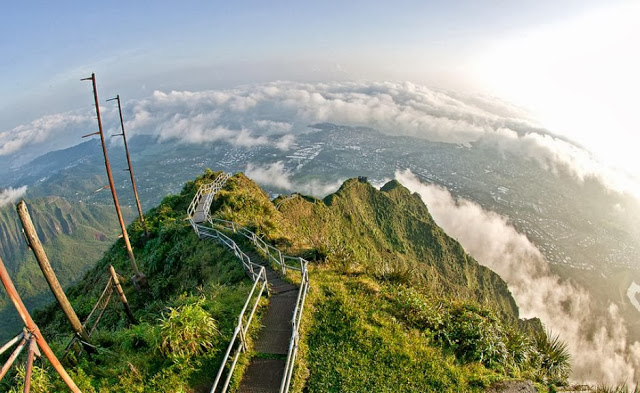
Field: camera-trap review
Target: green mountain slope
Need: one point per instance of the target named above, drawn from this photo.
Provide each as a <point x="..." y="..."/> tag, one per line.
<point x="74" y="237"/>
<point x="395" y="304"/>
<point x="393" y="296"/>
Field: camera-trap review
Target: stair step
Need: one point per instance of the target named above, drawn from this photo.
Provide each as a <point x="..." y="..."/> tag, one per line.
<point x="263" y="376"/>
<point x="276" y="333"/>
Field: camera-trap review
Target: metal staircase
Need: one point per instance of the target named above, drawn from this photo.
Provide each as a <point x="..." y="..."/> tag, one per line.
<point x="277" y="343"/>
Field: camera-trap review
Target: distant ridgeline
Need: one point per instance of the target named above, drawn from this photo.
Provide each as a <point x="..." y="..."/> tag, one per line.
<point x="395" y="303"/>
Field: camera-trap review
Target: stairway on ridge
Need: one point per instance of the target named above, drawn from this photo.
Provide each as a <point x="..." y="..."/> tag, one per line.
<point x="199" y="216"/>
<point x="266" y="369"/>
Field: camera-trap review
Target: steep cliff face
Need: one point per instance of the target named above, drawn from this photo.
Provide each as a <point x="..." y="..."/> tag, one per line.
<point x="12" y="243"/>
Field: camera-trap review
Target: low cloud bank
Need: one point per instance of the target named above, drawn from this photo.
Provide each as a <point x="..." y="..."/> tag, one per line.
<point x="275" y="175"/>
<point x="10" y="195"/>
<point x="273" y="113"/>
<point x="597" y="339"/>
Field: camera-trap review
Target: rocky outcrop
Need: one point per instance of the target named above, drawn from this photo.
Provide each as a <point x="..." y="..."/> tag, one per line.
<point x="512" y="387"/>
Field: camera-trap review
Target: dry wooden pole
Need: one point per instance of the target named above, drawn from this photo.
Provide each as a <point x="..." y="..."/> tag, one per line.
<point x="12" y="358"/>
<point x="49" y="274"/>
<point x="123" y="298"/>
<point x="11" y="343"/>
<point x="33" y="348"/>
<point x="33" y="328"/>
<point x="138" y="278"/>
<point x="133" y="181"/>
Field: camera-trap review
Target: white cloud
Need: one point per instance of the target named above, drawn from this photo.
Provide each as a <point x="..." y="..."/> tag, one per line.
<point x="272" y="114"/>
<point x="275" y="175"/>
<point x="393" y="108"/>
<point x="274" y="126"/>
<point x="44" y="129"/>
<point x="597" y="339"/>
<point x="10" y="195"/>
<point x="285" y="142"/>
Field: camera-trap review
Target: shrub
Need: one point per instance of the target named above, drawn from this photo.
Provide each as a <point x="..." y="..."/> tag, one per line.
<point x="40" y="381"/>
<point x="139" y="337"/>
<point x="187" y="330"/>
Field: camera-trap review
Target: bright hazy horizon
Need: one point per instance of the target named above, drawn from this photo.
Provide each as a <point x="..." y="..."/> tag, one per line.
<point x="571" y="65"/>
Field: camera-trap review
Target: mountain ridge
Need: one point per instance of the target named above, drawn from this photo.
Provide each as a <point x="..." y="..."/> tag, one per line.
<point x="384" y="301"/>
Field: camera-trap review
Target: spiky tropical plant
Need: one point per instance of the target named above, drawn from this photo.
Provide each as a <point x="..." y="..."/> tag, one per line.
<point x="519" y="348"/>
<point x="552" y="358"/>
<point x="40" y="382"/>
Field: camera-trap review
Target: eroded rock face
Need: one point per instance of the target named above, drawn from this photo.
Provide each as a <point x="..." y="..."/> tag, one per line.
<point x="512" y="387"/>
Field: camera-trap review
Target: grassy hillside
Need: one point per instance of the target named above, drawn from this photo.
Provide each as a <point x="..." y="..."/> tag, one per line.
<point x="395" y="304"/>
<point x="394" y="300"/>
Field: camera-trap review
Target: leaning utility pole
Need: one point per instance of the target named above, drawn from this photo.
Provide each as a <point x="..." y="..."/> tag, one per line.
<point x="49" y="275"/>
<point x="139" y="279"/>
<point x="33" y="329"/>
<point x="126" y="149"/>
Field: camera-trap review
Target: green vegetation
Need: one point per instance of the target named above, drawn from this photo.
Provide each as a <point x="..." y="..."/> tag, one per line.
<point x="74" y="237"/>
<point x="393" y="296"/>
<point x="395" y="304"/>
<point x="186" y="316"/>
<point x="187" y="331"/>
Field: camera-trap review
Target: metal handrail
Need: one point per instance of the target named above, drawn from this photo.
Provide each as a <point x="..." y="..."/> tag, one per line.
<point x="269" y="250"/>
<point x="209" y="191"/>
<point x="295" y="335"/>
<point x="273" y="255"/>
<point x="240" y="331"/>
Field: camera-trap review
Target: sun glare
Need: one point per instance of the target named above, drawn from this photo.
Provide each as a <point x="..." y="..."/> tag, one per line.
<point x="579" y="79"/>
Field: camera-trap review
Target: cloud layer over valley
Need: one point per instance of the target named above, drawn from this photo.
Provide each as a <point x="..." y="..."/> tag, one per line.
<point x="273" y="113"/>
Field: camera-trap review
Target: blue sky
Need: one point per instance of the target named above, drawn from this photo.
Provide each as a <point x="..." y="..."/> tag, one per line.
<point x="496" y="47"/>
<point x="47" y="45"/>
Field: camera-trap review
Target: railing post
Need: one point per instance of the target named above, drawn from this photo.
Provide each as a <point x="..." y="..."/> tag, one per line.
<point x="263" y="273"/>
<point x="243" y="342"/>
<point x="282" y="265"/>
